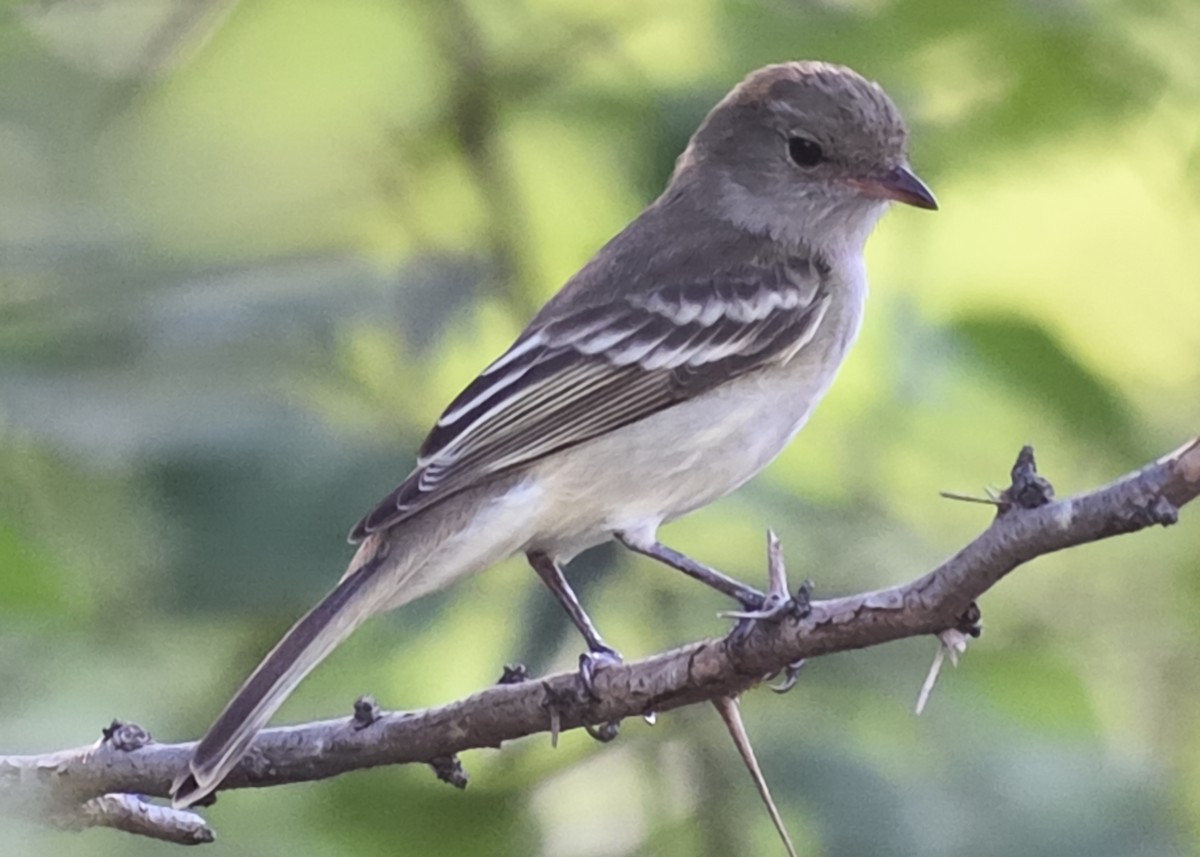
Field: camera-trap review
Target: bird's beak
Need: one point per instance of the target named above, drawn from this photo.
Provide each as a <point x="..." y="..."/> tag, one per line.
<point x="899" y="184"/>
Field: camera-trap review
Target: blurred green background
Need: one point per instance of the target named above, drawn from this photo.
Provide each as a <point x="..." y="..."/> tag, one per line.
<point x="248" y="251"/>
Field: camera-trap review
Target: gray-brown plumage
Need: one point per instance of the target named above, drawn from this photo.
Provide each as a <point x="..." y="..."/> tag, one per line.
<point x="671" y="369"/>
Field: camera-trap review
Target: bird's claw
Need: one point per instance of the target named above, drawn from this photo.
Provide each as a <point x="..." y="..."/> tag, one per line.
<point x="776" y="605"/>
<point x="773" y="606"/>
<point x="590" y="662"/>
<point x="603" y="732"/>
<point x="790" y="675"/>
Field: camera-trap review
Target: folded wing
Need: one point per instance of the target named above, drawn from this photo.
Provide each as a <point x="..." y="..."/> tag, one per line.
<point x="597" y="369"/>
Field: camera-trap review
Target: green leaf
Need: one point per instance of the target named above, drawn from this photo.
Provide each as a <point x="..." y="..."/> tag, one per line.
<point x="1025" y="356"/>
<point x="27" y="584"/>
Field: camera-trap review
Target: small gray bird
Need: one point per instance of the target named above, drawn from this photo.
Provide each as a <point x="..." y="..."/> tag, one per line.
<point x="665" y="374"/>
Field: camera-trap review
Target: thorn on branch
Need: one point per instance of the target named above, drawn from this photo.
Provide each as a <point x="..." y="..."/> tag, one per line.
<point x="971" y="621"/>
<point x="125" y="737"/>
<point x="366" y="711"/>
<point x="1162" y="511"/>
<point x="802" y="601"/>
<point x="1028" y="490"/>
<point x="552" y="702"/>
<point x="951" y="643"/>
<point x="513" y="674"/>
<point x="727" y="707"/>
<point x="449" y="769"/>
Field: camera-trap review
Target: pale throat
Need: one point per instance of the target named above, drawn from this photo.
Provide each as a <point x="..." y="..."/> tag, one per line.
<point x="836" y="229"/>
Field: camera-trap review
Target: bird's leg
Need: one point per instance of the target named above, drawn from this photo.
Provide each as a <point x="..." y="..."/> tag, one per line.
<point x="552" y="575"/>
<point x="774" y="604"/>
<point x="749" y="597"/>
<point x="599" y="653"/>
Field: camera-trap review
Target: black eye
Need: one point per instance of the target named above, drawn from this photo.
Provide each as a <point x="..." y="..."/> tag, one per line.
<point x="805" y="152"/>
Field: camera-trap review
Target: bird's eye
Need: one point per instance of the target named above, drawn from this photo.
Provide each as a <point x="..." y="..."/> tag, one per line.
<point x="805" y="152"/>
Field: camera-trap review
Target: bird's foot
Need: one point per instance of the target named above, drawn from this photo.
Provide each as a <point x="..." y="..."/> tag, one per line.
<point x="591" y="661"/>
<point x="777" y="603"/>
<point x="774" y="605"/>
<point x="791" y="674"/>
<point x="604" y="732"/>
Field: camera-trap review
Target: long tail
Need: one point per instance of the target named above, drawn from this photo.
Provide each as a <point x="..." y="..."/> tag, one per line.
<point x="303" y="647"/>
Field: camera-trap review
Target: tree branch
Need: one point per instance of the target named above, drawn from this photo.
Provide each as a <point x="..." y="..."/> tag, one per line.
<point x="71" y="784"/>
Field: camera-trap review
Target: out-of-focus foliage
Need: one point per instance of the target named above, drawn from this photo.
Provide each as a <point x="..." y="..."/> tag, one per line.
<point x="249" y="250"/>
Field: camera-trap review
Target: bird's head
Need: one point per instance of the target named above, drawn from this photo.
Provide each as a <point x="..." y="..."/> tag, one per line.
<point x="807" y="152"/>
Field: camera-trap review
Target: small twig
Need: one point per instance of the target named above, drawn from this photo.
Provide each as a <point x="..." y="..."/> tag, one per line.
<point x="967" y="498"/>
<point x="42" y="785"/>
<point x="134" y="815"/>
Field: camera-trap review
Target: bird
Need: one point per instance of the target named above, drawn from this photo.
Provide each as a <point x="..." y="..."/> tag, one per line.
<point x="671" y="369"/>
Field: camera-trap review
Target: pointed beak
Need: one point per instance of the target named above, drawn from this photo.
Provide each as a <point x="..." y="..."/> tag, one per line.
<point x="899" y="184"/>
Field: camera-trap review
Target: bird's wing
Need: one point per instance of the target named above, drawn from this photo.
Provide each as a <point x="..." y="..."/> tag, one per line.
<point x="602" y="367"/>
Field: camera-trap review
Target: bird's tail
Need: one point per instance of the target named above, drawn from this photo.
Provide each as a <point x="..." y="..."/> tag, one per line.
<point x="308" y="642"/>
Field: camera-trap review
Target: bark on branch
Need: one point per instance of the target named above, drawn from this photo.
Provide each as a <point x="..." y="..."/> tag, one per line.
<point x="98" y="785"/>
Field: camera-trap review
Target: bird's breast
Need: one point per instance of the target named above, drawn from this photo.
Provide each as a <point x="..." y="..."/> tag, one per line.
<point x="693" y="453"/>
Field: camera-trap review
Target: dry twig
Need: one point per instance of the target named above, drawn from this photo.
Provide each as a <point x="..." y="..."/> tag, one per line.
<point x="1029" y="523"/>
